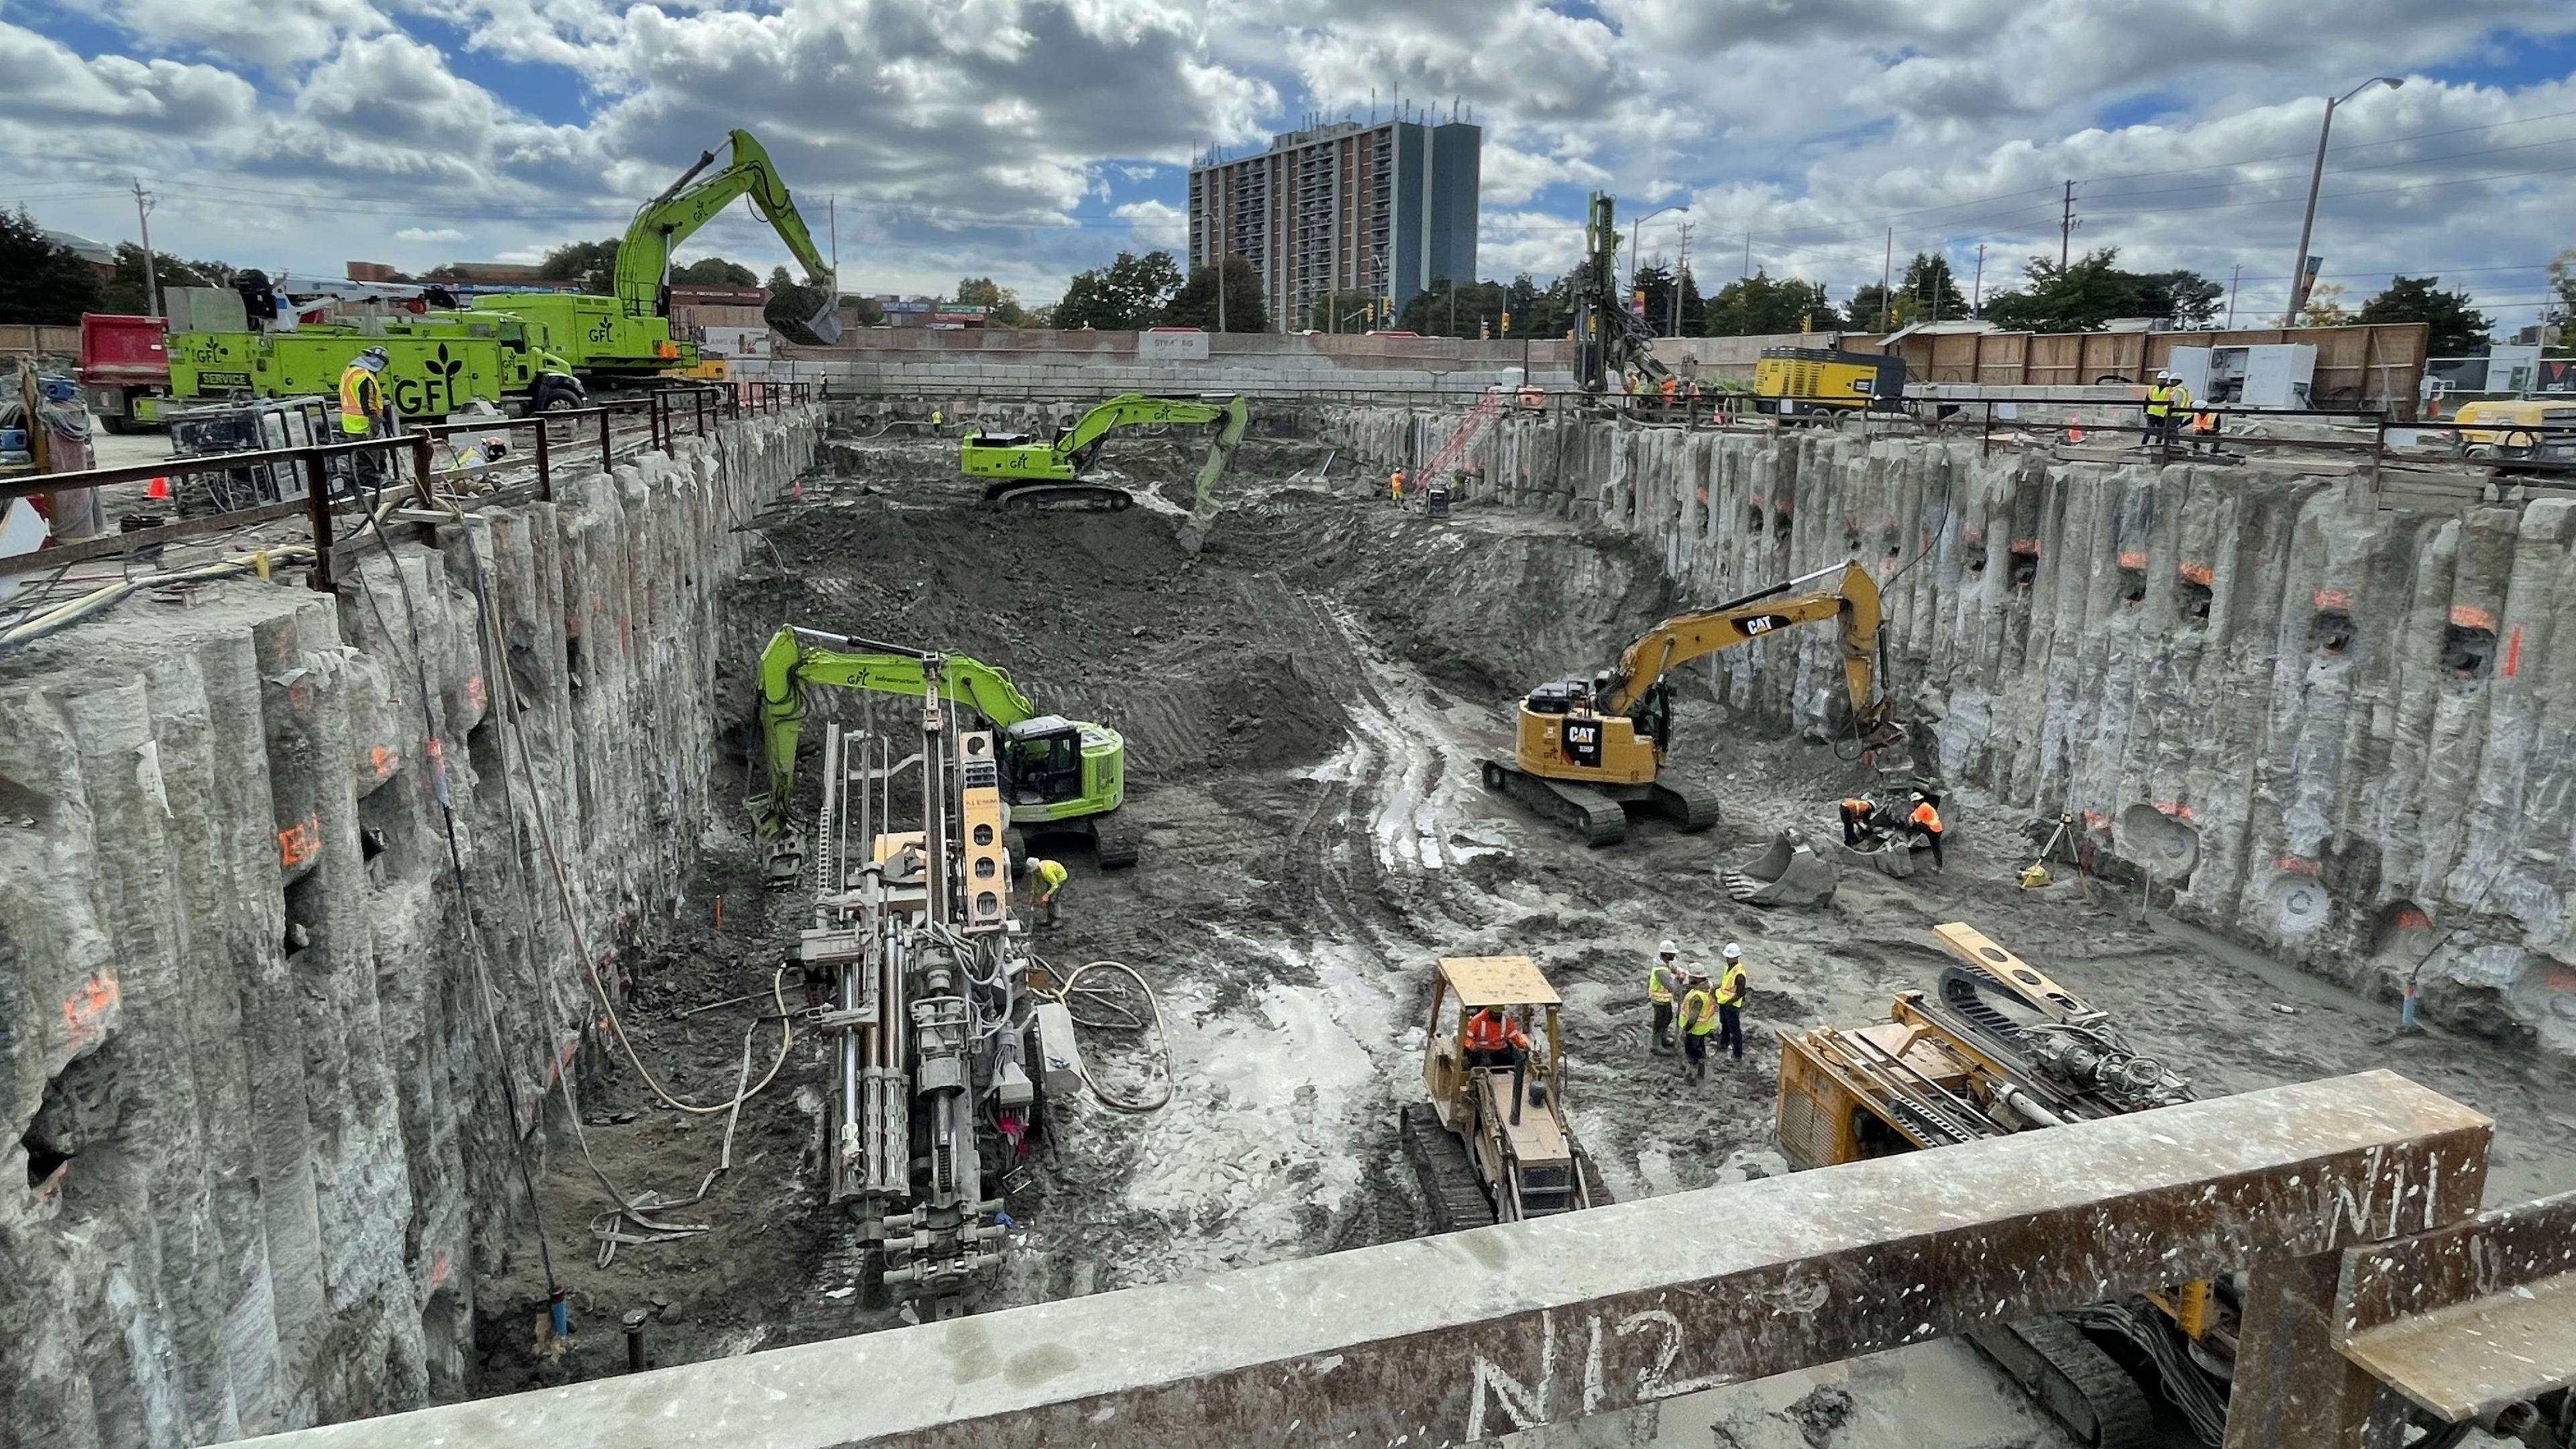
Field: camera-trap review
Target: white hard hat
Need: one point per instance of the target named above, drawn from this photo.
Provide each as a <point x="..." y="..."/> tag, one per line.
<point x="1667" y="948"/>
<point x="1734" y="952"/>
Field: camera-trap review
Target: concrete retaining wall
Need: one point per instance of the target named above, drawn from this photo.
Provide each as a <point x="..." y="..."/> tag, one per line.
<point x="2361" y="721"/>
<point x="257" y="1146"/>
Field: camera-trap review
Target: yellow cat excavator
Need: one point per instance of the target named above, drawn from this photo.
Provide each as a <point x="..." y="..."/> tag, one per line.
<point x="1589" y="748"/>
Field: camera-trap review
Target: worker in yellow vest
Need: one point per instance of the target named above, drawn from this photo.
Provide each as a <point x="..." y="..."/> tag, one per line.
<point x="1663" y="979"/>
<point x="2167" y="401"/>
<point x="363" y="414"/>
<point x="1395" y="487"/>
<point x="1699" y="1018"/>
<point x="1730" y="1002"/>
<point x="1050" y="885"/>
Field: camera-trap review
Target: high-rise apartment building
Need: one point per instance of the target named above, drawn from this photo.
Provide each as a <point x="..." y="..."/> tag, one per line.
<point x="1386" y="209"/>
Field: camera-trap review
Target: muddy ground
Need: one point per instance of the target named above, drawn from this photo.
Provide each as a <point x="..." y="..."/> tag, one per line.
<point x="1303" y="703"/>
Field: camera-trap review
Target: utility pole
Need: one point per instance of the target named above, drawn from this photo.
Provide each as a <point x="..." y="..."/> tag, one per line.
<point x="2299" y="264"/>
<point x="1887" y="284"/>
<point x="1977" y="289"/>
<point x="2066" y="224"/>
<point x="151" y="272"/>
<point x="1681" y="269"/>
<point x="1747" y="273"/>
<point x="1220" y="290"/>
<point x="2234" y="275"/>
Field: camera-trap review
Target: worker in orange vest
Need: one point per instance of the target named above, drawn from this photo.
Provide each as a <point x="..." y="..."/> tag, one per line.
<point x="1395" y="487"/>
<point x="1925" y="825"/>
<point x="1859" y="822"/>
<point x="1493" y="1039"/>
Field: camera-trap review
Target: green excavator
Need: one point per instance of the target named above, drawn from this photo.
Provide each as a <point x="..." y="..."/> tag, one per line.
<point x="628" y="332"/>
<point x="1027" y="470"/>
<point x="1059" y="776"/>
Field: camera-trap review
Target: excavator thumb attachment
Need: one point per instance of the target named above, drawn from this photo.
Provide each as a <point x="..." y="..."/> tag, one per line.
<point x="1203" y="505"/>
<point x="826" y="323"/>
<point x="1789" y="873"/>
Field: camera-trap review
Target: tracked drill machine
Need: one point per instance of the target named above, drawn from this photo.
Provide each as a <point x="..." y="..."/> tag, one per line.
<point x="933" y="1022"/>
<point x="1998" y="1048"/>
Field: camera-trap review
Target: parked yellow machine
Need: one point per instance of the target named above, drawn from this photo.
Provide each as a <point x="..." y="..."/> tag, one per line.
<point x="1793" y="379"/>
<point x="2516" y="428"/>
<point x="2000" y="1048"/>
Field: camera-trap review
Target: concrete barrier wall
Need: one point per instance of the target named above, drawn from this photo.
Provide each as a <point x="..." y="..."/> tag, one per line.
<point x="903" y="361"/>
<point x="243" y="1012"/>
<point x="2346" y="730"/>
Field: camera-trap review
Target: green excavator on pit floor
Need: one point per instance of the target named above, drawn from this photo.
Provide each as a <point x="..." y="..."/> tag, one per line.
<point x="1059" y="776"/>
<point x="1026" y="470"/>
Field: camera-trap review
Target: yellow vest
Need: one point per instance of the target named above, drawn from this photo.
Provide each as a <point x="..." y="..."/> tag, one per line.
<point x="361" y="398"/>
<point x="1050" y="875"/>
<point x="1699" y="1012"/>
<point x="2159" y="400"/>
<point x="1659" y="981"/>
<point x="1730" y="986"/>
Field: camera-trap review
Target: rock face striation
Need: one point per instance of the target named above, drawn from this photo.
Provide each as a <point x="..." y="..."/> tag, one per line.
<point x="2338" y="732"/>
<point x="265" y="1071"/>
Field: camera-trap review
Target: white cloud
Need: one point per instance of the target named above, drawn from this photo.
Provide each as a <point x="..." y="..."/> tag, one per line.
<point x="975" y="137"/>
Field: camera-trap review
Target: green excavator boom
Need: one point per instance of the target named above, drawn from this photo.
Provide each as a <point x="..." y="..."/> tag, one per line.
<point x="1037" y="749"/>
<point x="660" y="225"/>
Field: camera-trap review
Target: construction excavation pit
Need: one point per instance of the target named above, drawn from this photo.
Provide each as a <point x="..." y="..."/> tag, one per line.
<point x="1050" y="898"/>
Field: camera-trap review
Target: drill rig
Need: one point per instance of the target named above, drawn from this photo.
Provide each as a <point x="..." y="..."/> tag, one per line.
<point x="1608" y="338"/>
<point x="2000" y="1048"/>
<point x="932" y="1016"/>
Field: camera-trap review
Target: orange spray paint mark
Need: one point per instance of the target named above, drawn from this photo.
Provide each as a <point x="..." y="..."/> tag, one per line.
<point x="2026" y="547"/>
<point x="381" y="760"/>
<point x="474" y="692"/>
<point x="2334" y="598"/>
<point x="2413" y="920"/>
<point x="2133" y="558"/>
<point x="2295" y="865"/>
<point x="2513" y="652"/>
<point x="2198" y="573"/>
<point x="85" y="1011"/>
<point x="297" y="842"/>
<point x="2468" y="617"/>
<point x="437" y="1272"/>
<point x="2096" y="820"/>
<point x="2176" y="809"/>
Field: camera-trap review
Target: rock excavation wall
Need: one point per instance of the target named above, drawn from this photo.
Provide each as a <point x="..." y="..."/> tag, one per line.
<point x="263" y="1067"/>
<point x="2343" y="734"/>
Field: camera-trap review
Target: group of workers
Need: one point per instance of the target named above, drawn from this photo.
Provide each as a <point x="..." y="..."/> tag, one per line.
<point x="1867" y="822"/>
<point x="1683" y="996"/>
<point x="2168" y="403"/>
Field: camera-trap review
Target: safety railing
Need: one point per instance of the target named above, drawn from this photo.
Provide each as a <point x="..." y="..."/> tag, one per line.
<point x="340" y="473"/>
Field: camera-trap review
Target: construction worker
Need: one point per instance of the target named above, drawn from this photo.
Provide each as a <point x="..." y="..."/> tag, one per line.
<point x="1672" y="390"/>
<point x="1493" y="1039"/>
<point x="363" y="413"/>
<point x="1699" y="1018"/>
<point x="1859" y="826"/>
<point x="2167" y="399"/>
<point x="1050" y="876"/>
<point x="1663" y="979"/>
<point x="1395" y="487"/>
<point x="1924" y="824"/>
<point x="1730" y="1002"/>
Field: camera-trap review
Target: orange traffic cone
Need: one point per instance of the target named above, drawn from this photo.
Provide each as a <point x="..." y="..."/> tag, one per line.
<point x="158" y="488"/>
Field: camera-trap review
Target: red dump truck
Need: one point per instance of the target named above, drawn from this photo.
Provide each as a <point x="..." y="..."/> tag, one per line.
<point x="124" y="369"/>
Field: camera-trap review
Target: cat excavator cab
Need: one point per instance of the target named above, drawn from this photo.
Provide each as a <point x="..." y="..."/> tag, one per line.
<point x="1587" y="749"/>
<point x="1493" y="1143"/>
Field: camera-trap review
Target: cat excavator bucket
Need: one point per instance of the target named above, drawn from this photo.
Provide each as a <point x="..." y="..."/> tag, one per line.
<point x="1788" y="873"/>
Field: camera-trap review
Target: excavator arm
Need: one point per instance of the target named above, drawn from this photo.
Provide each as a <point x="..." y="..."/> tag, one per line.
<point x="1853" y="597"/>
<point x="1081" y="442"/>
<point x="660" y="225"/>
<point x="797" y="657"/>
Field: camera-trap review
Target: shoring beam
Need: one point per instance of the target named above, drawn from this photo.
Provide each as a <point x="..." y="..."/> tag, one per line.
<point x="2469" y="1319"/>
<point x="1471" y="1335"/>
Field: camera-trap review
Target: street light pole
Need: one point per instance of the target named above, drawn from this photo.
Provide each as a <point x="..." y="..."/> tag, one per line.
<point x="2316" y="176"/>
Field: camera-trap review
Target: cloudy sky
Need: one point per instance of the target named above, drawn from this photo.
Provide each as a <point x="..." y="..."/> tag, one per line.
<point x="1029" y="138"/>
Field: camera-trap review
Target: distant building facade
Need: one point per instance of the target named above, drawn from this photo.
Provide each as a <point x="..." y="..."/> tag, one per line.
<point x="1387" y="209"/>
